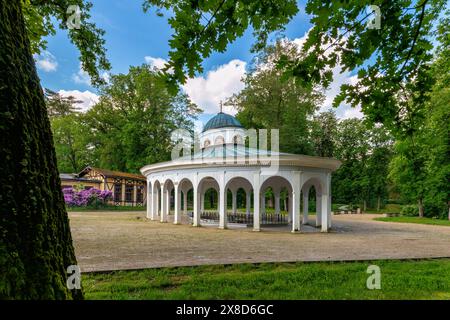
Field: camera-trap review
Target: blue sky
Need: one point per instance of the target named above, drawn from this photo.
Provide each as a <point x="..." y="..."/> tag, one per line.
<point x="134" y="37"/>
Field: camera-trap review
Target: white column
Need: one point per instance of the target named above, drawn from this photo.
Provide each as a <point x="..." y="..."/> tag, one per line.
<point x="196" y="199"/>
<point x="248" y="199"/>
<point x="163" y="205"/>
<point x="177" y="195"/>
<point x="289" y="204"/>
<point x="256" y="203"/>
<point x="149" y="202"/>
<point x="295" y="209"/>
<point x="295" y="204"/>
<point x="324" y="200"/>
<point x="318" y="210"/>
<point x="234" y="201"/>
<point x="185" y="201"/>
<point x="305" y="206"/>
<point x="222" y="207"/>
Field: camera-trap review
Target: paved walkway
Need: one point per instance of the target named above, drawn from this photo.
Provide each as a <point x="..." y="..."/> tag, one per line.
<point x="127" y="240"/>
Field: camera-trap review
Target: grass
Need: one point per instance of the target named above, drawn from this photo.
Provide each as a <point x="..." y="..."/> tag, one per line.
<point x="107" y="208"/>
<point x="439" y="222"/>
<point x="411" y="279"/>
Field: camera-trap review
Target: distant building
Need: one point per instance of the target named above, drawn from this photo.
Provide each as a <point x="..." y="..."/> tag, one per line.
<point x="128" y="189"/>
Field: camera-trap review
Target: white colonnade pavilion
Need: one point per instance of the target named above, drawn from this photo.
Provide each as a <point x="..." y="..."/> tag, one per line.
<point x="224" y="164"/>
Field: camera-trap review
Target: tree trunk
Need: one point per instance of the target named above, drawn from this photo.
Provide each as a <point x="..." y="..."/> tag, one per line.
<point x="378" y="203"/>
<point x="364" y="206"/>
<point x="420" y="204"/>
<point x="35" y="240"/>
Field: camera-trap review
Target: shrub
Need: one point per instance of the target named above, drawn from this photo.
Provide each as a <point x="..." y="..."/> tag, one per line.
<point x="88" y="197"/>
<point x="410" y="210"/>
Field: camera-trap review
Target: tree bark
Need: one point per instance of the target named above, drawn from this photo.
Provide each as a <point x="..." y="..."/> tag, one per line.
<point x="420" y="205"/>
<point x="35" y="241"/>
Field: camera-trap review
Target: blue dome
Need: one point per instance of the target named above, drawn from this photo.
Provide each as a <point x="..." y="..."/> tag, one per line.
<point x="221" y="120"/>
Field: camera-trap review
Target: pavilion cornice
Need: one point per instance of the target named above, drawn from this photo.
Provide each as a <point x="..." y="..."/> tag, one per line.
<point x="244" y="162"/>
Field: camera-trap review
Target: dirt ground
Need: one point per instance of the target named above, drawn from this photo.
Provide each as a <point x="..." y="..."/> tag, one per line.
<point x="127" y="240"/>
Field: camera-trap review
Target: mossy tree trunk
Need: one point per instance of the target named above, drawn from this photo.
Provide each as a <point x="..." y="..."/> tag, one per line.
<point x="35" y="240"/>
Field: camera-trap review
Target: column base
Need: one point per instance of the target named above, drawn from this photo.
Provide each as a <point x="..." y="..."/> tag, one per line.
<point x="256" y="230"/>
<point x="295" y="231"/>
<point x="223" y="227"/>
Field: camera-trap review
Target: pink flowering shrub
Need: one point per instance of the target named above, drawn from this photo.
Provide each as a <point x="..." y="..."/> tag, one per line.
<point x="87" y="197"/>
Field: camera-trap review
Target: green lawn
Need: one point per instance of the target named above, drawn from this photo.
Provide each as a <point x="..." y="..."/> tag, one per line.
<point x="108" y="208"/>
<point x="439" y="222"/>
<point x="423" y="279"/>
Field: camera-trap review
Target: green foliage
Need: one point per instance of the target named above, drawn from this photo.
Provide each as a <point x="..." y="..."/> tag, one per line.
<point x="410" y="210"/>
<point x="40" y="19"/>
<point x="72" y="145"/>
<point x="323" y="133"/>
<point x="270" y="103"/>
<point x="58" y="106"/>
<point x="421" y="166"/>
<point x="131" y="125"/>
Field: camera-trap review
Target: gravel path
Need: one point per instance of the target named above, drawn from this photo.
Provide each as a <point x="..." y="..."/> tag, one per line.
<point x="127" y="240"/>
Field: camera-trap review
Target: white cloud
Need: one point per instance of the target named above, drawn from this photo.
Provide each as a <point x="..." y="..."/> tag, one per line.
<point x="46" y="62"/>
<point x="81" y="77"/>
<point x="158" y="63"/>
<point x="87" y="97"/>
<point x="219" y="84"/>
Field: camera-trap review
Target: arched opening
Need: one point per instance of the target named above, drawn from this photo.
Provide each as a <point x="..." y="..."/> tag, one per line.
<point x="186" y="202"/>
<point x="156" y="199"/>
<point x="207" y="143"/>
<point x="208" y="198"/>
<point x="167" y="200"/>
<point x="275" y="195"/>
<point x="311" y="202"/>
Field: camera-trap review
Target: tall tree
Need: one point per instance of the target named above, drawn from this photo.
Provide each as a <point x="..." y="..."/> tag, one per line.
<point x="35" y="241"/>
<point x="58" y="106"/>
<point x="323" y="133"/>
<point x="74" y="150"/>
<point x="131" y="126"/>
<point x="349" y="184"/>
<point x="269" y="102"/>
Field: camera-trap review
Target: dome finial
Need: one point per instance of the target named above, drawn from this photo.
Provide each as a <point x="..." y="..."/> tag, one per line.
<point x="220" y="104"/>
